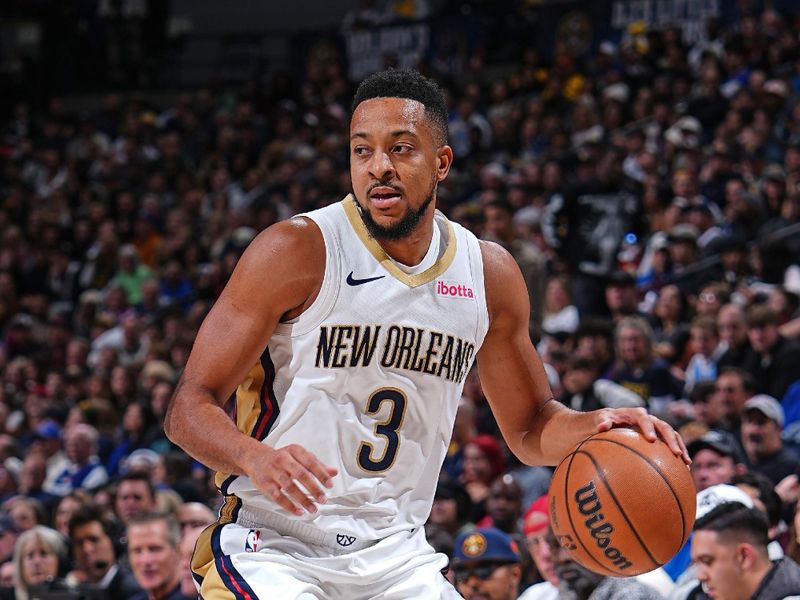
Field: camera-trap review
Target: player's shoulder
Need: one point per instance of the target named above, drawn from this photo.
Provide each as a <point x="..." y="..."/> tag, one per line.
<point x="503" y="282"/>
<point x="295" y="237"/>
<point x="498" y="264"/>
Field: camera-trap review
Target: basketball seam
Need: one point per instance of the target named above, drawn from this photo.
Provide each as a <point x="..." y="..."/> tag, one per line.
<point x="569" y="512"/>
<point x="666" y="481"/>
<point x="621" y="510"/>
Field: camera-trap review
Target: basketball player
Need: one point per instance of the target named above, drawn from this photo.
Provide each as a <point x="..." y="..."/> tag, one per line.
<point x="349" y="332"/>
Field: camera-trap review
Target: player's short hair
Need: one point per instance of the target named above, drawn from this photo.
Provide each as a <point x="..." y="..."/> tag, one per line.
<point x="410" y="84"/>
<point x="733" y="521"/>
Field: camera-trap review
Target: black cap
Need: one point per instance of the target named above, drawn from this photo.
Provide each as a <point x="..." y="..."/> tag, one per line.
<point x="719" y="442"/>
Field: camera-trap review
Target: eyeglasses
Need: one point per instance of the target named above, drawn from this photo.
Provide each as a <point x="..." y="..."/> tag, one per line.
<point x="481" y="570"/>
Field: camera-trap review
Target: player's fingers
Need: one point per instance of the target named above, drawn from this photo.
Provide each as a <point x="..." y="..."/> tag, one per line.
<point x="299" y="497"/>
<point x="273" y="491"/>
<point x="309" y="462"/>
<point x="309" y="481"/>
<point x="647" y="424"/>
<point x="672" y="439"/>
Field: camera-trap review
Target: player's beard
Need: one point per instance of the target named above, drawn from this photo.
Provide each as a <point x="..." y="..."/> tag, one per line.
<point x="403" y="228"/>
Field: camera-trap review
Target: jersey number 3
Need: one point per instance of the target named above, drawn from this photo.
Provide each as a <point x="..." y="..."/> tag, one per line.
<point x="387" y="429"/>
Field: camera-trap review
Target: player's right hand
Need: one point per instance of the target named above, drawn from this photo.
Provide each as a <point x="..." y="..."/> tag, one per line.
<point x="283" y="473"/>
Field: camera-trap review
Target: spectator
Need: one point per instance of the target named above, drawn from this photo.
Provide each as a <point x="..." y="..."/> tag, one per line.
<point x="499" y="227"/>
<point x="486" y="565"/>
<point x="84" y="469"/>
<point x="704" y="345"/>
<point x="66" y="507"/>
<point x="715" y="459"/>
<point x="9" y="533"/>
<point x="732" y="329"/>
<point x="732" y="389"/>
<point x="772" y="357"/>
<point x="98" y="547"/>
<point x="134" y="495"/>
<point x="452" y="508"/>
<point x="504" y="506"/>
<point x="194" y="515"/>
<point x="576" y="581"/>
<point x="622" y="297"/>
<point x="189" y="537"/>
<point x="582" y="390"/>
<point x="729" y="548"/>
<point x="39" y="558"/>
<point x="536" y="525"/>
<point x="762" y="421"/>
<point x="639" y="370"/>
<point x="483" y="463"/>
<point x="153" y="548"/>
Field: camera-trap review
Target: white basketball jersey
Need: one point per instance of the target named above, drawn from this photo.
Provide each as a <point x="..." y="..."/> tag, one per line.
<point x="369" y="377"/>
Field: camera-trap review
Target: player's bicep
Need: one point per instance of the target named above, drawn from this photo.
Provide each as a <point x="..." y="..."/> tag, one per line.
<point x="276" y="274"/>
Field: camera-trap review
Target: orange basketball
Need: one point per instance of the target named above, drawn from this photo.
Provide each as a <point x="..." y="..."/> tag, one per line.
<point x="621" y="505"/>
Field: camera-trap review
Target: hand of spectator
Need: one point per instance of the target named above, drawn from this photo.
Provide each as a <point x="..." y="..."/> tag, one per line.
<point x="788" y="489"/>
<point x="277" y="473"/>
<point x="650" y="426"/>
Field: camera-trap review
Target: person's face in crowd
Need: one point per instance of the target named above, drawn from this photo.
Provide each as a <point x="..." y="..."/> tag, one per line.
<point x="64" y="511"/>
<point x="621" y="298"/>
<point x="573" y="579"/>
<point x="761" y="436"/>
<point x="8" y="540"/>
<point x="682" y="252"/>
<point x="94" y="550"/>
<point x="718" y="565"/>
<point x="162" y="392"/>
<point x="542" y="555"/>
<point x="33" y="473"/>
<point x="444" y="512"/>
<point x="556" y="296"/>
<point x="504" y="503"/>
<point x="702" y="341"/>
<point x="577" y="380"/>
<point x="186" y="549"/>
<point x="133" y="419"/>
<point x="487" y="580"/>
<point x="632" y="345"/>
<point x="498" y="222"/>
<point x="395" y="164"/>
<point x="194" y="515"/>
<point x="763" y="337"/>
<point x="39" y="562"/>
<point x="668" y="306"/>
<point x="730" y="393"/>
<point x="120" y="381"/>
<point x="23" y="514"/>
<point x="77" y="446"/>
<point x="594" y="347"/>
<point x="708" y="303"/>
<point x="7" y="574"/>
<point x="731" y="326"/>
<point x="710" y="468"/>
<point x="153" y="557"/>
<point x="476" y="464"/>
<point x="133" y="498"/>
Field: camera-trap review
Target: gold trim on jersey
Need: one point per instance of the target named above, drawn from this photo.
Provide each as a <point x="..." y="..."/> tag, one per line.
<point x="351" y="209"/>
<point x="248" y="408"/>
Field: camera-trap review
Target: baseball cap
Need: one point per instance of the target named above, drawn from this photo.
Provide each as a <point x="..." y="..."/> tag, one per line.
<point x="536" y="519"/>
<point x="711" y="498"/>
<point x="47" y="430"/>
<point x="487" y="544"/>
<point x="717" y="441"/>
<point x="768" y="406"/>
<point x="683" y="232"/>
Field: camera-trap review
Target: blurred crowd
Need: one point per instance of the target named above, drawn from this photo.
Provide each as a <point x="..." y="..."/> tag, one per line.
<point x="650" y="192"/>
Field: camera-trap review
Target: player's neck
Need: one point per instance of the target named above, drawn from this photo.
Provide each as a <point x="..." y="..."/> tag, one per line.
<point x="411" y="249"/>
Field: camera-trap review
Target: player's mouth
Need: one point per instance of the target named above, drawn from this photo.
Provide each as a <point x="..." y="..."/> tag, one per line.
<point x="384" y="197"/>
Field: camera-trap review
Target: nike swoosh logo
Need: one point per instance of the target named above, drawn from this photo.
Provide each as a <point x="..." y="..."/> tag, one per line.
<point x="353" y="281"/>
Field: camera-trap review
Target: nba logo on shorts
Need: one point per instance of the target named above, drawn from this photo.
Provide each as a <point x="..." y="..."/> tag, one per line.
<point x="251" y="542"/>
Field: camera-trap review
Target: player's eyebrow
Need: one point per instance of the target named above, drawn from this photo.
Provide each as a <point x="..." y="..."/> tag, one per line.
<point x="394" y="134"/>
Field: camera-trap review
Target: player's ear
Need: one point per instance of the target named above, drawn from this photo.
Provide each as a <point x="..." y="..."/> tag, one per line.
<point x="444" y="159"/>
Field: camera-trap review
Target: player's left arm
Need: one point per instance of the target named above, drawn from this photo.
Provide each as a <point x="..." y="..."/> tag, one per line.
<point x="537" y="429"/>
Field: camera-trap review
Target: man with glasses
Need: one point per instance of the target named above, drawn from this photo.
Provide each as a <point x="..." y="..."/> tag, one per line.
<point x="195" y="515"/>
<point x="486" y="565"/>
